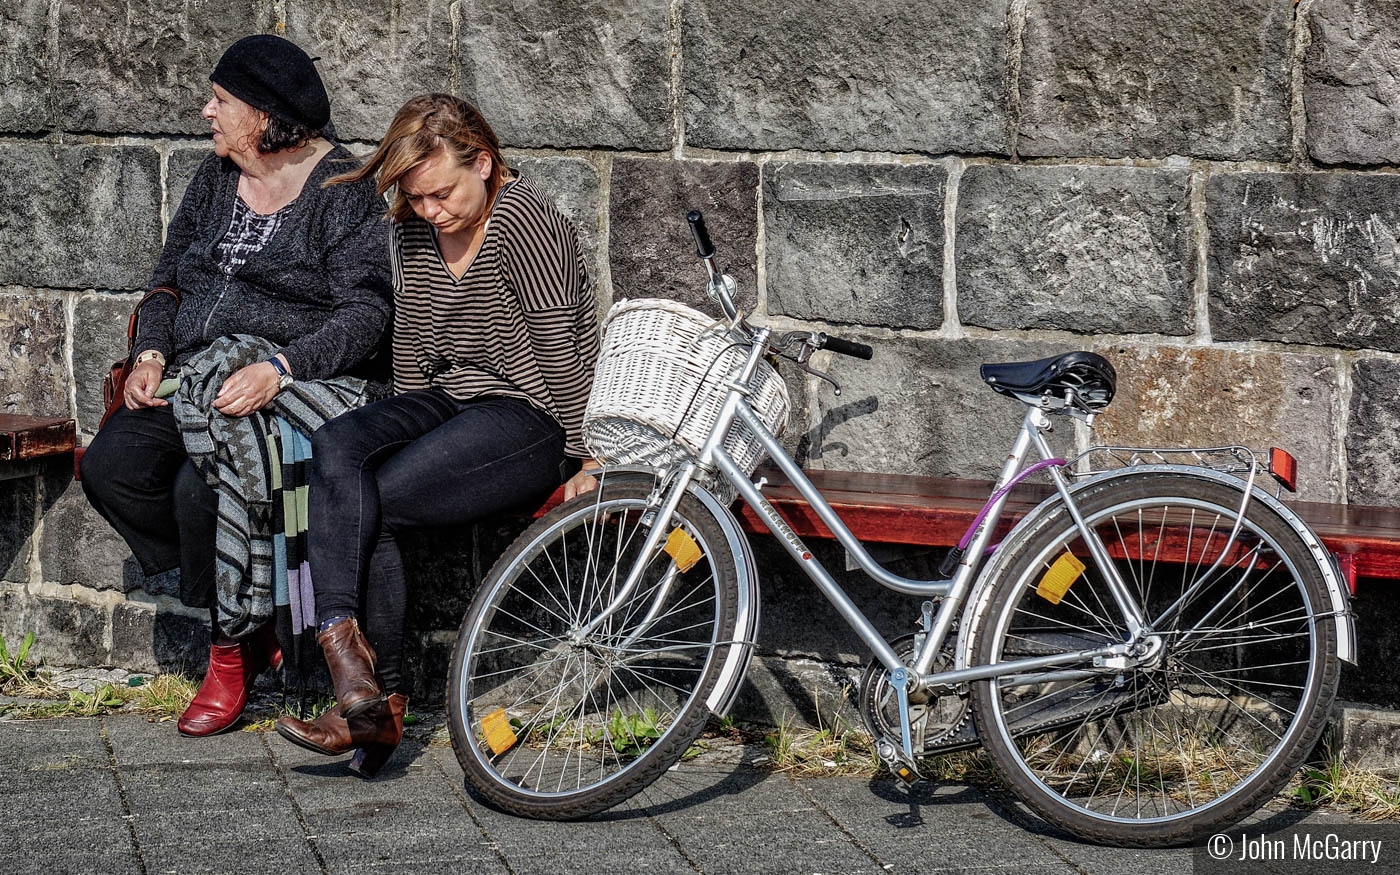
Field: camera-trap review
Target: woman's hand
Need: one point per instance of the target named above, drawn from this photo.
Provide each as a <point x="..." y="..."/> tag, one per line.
<point x="582" y="481"/>
<point x="248" y="389"/>
<point x="141" y="385"/>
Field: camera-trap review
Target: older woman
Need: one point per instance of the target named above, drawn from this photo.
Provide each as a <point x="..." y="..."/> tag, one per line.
<point x="282" y="282"/>
<point x="495" y="338"/>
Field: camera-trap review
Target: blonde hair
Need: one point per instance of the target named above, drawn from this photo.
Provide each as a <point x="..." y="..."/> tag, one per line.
<point x="423" y="126"/>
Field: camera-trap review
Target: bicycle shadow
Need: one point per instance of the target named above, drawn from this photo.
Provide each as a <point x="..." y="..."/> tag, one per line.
<point x="1008" y="808"/>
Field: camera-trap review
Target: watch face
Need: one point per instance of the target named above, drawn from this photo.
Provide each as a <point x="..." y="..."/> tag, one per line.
<point x="285" y="381"/>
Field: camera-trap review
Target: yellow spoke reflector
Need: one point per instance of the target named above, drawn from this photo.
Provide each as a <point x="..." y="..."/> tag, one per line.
<point x="683" y="549"/>
<point x="499" y="736"/>
<point x="1057" y="580"/>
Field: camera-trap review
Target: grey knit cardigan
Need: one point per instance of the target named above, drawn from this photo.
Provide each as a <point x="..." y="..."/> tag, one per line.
<point x="320" y="290"/>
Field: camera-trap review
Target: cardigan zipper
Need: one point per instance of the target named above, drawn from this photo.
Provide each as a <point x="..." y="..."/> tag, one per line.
<point x="217" y="301"/>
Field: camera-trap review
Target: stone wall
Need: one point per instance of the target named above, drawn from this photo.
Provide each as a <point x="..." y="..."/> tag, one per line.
<point x="1203" y="191"/>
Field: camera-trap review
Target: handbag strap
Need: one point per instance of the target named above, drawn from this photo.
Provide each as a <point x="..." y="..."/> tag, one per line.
<point x="136" y="313"/>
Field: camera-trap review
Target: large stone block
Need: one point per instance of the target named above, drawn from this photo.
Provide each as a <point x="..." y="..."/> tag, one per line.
<point x="25" y="67"/>
<point x="179" y="170"/>
<point x="155" y="640"/>
<point x="17" y="500"/>
<point x="142" y="66"/>
<point x="1305" y="258"/>
<point x="569" y="74"/>
<point x="33" y="376"/>
<point x="1351" y="82"/>
<point x="1372" y="452"/>
<point x="919" y="407"/>
<point x="99" y="338"/>
<point x="97" y="224"/>
<point x="1207" y="78"/>
<point x="374" y="56"/>
<point x="855" y="243"/>
<point x="1085" y="249"/>
<point x="846" y="76"/>
<point x="1210" y="397"/>
<point x="650" y="247"/>
<point x="67" y="632"/>
<point x="78" y="546"/>
<point x="574" y="185"/>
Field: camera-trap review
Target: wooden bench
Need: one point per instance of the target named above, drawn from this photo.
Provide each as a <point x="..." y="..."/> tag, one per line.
<point x="936" y="511"/>
<point x="25" y="441"/>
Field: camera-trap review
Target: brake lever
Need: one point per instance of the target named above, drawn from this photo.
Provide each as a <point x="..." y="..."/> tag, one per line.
<point x="803" y="355"/>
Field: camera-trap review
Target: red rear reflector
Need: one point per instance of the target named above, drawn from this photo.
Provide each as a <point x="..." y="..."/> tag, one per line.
<point x="1284" y="468"/>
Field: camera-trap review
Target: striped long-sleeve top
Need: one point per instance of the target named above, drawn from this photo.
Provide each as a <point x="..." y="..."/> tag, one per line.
<point x="520" y="322"/>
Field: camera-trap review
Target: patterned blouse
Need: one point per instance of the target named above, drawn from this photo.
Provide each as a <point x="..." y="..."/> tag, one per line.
<point x="247" y="234"/>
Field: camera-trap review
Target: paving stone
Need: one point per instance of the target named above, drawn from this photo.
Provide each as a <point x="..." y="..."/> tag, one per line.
<point x="1207" y="78"/>
<point x="26" y="71"/>
<point x="96" y="845"/>
<point x="374" y="55"/>
<point x="855" y="243"/>
<point x="1350" y="89"/>
<point x="1086" y="249"/>
<point x="764" y="827"/>
<point x="1305" y="258"/>
<point x="142" y="66"/>
<point x="652" y="252"/>
<point x="846" y="76"/>
<point x="78" y="546"/>
<point x="1207" y="397"/>
<point x="98" y="224"/>
<point x="1372" y="454"/>
<point x="919" y="407"/>
<point x="557" y="73"/>
<point x="33" y="376"/>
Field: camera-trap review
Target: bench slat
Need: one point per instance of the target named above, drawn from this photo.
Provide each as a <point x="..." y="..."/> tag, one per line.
<point x="936" y="511"/>
<point x="34" y="437"/>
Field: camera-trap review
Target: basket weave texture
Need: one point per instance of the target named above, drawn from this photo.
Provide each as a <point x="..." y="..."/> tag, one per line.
<point x="656" y="356"/>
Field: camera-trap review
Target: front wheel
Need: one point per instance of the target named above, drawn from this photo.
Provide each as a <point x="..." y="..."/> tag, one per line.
<point x="554" y="716"/>
<point x="1225" y="697"/>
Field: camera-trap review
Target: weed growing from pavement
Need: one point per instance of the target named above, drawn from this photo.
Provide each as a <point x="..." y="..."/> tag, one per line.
<point x="18" y="677"/>
<point x="1333" y="784"/>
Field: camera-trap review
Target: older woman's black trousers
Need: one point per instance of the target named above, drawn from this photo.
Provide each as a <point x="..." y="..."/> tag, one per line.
<point x="417" y="460"/>
<point x="138" y="476"/>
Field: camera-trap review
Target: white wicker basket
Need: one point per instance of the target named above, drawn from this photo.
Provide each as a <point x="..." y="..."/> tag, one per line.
<point x="656" y="356"/>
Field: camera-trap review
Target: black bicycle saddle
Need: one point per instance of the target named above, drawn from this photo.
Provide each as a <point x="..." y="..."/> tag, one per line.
<point x="1087" y="375"/>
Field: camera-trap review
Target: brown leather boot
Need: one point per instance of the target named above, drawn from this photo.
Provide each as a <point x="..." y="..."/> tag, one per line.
<point x="377" y="733"/>
<point x="351" y="661"/>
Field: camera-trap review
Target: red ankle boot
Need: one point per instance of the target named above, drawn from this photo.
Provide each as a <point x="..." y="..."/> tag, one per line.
<point x="222" y="696"/>
<point x="224" y="693"/>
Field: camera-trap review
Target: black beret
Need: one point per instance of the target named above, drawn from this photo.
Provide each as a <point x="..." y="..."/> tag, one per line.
<point x="272" y="74"/>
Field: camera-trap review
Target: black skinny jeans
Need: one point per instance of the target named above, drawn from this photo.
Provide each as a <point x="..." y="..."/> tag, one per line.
<point x="138" y="476"/>
<point x="418" y="460"/>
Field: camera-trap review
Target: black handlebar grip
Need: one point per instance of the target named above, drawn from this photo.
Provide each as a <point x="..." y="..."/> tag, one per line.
<point x="847" y="347"/>
<point x="703" y="247"/>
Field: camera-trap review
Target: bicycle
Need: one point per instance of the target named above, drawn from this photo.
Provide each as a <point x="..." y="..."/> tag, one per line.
<point x="1147" y="656"/>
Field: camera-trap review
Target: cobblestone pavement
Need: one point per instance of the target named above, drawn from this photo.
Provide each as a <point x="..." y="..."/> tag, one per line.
<point x="119" y="794"/>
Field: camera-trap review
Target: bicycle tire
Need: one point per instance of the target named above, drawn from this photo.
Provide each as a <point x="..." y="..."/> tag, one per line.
<point x="597" y="721"/>
<point x="1166" y="753"/>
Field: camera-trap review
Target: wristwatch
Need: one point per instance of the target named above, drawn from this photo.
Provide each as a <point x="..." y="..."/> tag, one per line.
<point x="284" y="379"/>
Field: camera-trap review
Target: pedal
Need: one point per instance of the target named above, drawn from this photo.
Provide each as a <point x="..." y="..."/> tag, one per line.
<point x="905" y="771"/>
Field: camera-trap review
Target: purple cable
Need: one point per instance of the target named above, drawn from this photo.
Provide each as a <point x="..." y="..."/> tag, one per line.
<point x="1022" y="475"/>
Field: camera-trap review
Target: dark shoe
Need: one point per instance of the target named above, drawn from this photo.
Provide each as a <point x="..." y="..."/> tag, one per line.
<point x="351" y="662"/>
<point x="221" y="697"/>
<point x="377" y="733"/>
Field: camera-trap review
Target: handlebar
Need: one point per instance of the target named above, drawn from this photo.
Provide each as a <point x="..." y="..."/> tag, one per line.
<point x="845" y="347"/>
<point x="703" y="247"/>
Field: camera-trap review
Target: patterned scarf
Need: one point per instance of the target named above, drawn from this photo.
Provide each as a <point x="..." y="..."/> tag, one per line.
<point x="256" y="465"/>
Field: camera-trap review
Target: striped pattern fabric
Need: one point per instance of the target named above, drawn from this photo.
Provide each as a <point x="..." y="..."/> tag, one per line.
<point x="521" y="321"/>
<point x="236" y="459"/>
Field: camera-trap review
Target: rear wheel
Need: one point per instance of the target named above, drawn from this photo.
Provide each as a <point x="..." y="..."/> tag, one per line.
<point x="1226" y="699"/>
<point x="549" y="722"/>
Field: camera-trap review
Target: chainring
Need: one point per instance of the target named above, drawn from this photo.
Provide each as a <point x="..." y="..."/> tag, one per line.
<point x="939" y="724"/>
